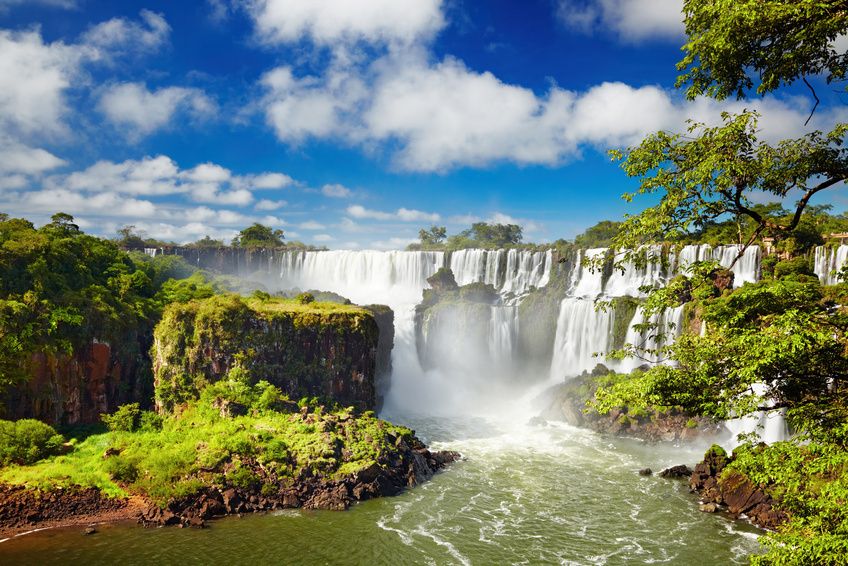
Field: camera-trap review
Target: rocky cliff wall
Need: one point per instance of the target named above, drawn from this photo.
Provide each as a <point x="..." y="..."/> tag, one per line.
<point x="75" y="389"/>
<point x="325" y="350"/>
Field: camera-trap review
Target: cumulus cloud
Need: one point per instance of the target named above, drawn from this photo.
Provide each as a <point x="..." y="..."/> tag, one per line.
<point x="631" y="20"/>
<point x="402" y="214"/>
<point x="336" y="191"/>
<point x="120" y="35"/>
<point x="156" y="176"/>
<point x="393" y="243"/>
<point x="322" y="238"/>
<point x="63" y="4"/>
<point x="33" y="78"/>
<point x="298" y="108"/>
<point x="267" y="205"/>
<point x="330" y="22"/>
<point x="144" y="111"/>
<point x="311" y="225"/>
<point x="438" y="117"/>
<point x="22" y="159"/>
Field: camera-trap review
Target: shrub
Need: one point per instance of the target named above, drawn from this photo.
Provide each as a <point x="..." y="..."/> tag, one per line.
<point x="126" y="419"/>
<point x="305" y="298"/>
<point x="27" y="441"/>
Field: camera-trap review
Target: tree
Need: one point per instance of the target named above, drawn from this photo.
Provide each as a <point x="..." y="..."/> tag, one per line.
<point x="207" y="242"/>
<point x="494" y="235"/>
<point x="63" y="223"/>
<point x="129" y="239"/>
<point x="734" y="45"/>
<point x="259" y="236"/>
<point x="434" y="236"/>
<point x="714" y="172"/>
<point x="600" y="235"/>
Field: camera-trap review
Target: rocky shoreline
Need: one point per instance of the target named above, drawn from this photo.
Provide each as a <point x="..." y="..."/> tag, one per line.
<point x="733" y="492"/>
<point x="23" y="509"/>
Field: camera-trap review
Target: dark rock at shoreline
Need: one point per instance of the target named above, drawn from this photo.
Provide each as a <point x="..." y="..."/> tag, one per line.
<point x="415" y="465"/>
<point x="680" y="471"/>
<point x="733" y="491"/>
<point x="646" y="472"/>
<point x="21" y="507"/>
<point x="567" y="402"/>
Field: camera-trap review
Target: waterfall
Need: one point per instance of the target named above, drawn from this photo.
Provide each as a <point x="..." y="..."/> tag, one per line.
<point x="363" y="276"/>
<point x="628" y="279"/>
<point x="503" y="328"/>
<point x="471" y="349"/>
<point x="582" y="330"/>
<point x="522" y="269"/>
<point x="828" y="262"/>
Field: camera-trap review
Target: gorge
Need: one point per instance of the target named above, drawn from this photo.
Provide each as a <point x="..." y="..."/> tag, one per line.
<point x="467" y="373"/>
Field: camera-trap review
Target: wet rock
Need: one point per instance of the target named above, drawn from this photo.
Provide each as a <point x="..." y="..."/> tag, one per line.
<point x="537" y="421"/>
<point x="679" y="471"/>
<point x="708" y="507"/>
<point x="646" y="472"/>
<point x="90" y="530"/>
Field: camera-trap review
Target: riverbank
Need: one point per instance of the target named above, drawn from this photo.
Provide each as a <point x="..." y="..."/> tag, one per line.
<point x="237" y="449"/>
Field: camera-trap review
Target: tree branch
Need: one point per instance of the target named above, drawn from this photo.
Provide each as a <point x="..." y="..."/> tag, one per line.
<point x="816" y="105"/>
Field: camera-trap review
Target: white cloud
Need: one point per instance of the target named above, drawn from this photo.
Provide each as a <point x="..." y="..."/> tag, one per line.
<point x="120" y="35"/>
<point x="631" y="20"/>
<point x="266" y="204"/>
<point x="160" y="175"/>
<point x="299" y="108"/>
<point x="63" y="4"/>
<point x="393" y="243"/>
<point x="402" y="214"/>
<point x="336" y="191"/>
<point x="144" y="111"/>
<point x="322" y="238"/>
<point x="440" y="117"/>
<point x="19" y="158"/>
<point x="311" y="225"/>
<point x="330" y="22"/>
<point x="269" y="181"/>
<point x="33" y="78"/>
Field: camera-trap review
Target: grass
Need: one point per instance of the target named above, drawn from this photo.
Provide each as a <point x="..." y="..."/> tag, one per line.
<point x="201" y="448"/>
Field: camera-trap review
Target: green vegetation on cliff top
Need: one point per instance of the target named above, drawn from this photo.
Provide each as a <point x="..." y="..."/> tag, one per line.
<point x="235" y="435"/>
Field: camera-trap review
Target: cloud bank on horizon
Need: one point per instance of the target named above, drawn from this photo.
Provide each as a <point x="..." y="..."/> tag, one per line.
<point x="348" y="115"/>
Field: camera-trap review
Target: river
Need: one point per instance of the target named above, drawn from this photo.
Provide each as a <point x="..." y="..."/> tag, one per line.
<point x="523" y="495"/>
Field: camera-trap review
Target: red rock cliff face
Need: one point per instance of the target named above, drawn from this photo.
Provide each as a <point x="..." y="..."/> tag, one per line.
<point x="75" y="389"/>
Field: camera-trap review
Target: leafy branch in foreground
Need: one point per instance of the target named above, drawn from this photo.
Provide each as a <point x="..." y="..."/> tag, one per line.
<point x="776" y="41"/>
<point x="718" y="172"/>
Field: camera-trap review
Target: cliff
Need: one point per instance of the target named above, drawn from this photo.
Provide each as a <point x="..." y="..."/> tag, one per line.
<point x="324" y="350"/>
<point x="76" y="388"/>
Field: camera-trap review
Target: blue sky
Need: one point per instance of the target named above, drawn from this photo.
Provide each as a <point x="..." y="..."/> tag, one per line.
<point x="347" y="124"/>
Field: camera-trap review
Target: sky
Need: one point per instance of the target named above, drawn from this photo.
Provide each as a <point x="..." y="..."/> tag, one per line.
<point x="346" y="124"/>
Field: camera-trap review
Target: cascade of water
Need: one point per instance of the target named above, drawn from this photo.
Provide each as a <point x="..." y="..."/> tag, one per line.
<point x="629" y="278"/>
<point x="503" y="328"/>
<point x="828" y="262"/>
<point x="523" y="270"/>
<point x="582" y="330"/>
<point x="585" y="280"/>
<point x="363" y="276"/>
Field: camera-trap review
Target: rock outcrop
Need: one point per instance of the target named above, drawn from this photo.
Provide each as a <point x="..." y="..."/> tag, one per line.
<point x="722" y="488"/>
<point x="415" y="465"/>
<point x="323" y="350"/>
<point x="568" y="403"/>
<point x="22" y="509"/>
